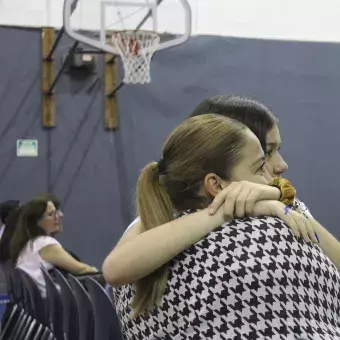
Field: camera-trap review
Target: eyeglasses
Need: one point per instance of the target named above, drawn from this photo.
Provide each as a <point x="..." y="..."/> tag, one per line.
<point x="53" y="214"/>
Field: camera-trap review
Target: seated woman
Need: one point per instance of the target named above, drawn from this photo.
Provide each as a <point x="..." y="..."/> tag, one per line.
<point x="32" y="245"/>
<point x="251" y="278"/>
<point x="60" y="216"/>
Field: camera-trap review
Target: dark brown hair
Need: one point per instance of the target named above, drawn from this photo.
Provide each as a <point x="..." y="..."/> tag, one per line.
<point x="255" y="115"/>
<point x="52" y="198"/>
<point x="200" y="145"/>
<point x="27" y="227"/>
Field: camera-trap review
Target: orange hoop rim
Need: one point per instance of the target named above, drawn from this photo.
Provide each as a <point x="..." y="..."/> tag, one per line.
<point x="132" y="39"/>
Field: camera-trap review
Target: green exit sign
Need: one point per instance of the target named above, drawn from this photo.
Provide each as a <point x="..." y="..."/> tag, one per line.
<point x="27" y="148"/>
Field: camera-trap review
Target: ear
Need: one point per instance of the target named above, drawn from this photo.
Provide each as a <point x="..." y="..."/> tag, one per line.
<point x="214" y="184"/>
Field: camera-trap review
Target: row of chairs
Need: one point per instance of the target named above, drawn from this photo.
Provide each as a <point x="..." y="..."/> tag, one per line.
<point x="71" y="311"/>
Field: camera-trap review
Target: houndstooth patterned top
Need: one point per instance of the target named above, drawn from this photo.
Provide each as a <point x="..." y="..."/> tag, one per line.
<point x="249" y="279"/>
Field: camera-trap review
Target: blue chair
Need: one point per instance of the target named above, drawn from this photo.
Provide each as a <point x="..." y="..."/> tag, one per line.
<point x="25" y="327"/>
<point x="55" y="306"/>
<point x="33" y="299"/>
<point x="20" y="299"/>
<point x="106" y="324"/>
<point x="85" y="309"/>
<point x="70" y="309"/>
<point x="18" y="318"/>
<point x="36" y="307"/>
<point x="14" y="313"/>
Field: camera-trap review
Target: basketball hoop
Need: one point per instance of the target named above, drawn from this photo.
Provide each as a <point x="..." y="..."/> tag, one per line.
<point x="136" y="49"/>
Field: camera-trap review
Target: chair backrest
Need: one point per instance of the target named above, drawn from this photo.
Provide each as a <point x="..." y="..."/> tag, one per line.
<point x="70" y="309"/>
<point x="14" y="284"/>
<point x="10" y="282"/>
<point x="4" y="277"/>
<point x="85" y="309"/>
<point x="106" y="323"/>
<point x="36" y="305"/>
<point x="99" y="277"/>
<point x="54" y="305"/>
<point x="18" y="293"/>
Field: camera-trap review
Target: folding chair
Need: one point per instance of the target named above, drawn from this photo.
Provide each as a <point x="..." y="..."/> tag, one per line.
<point x="55" y="306"/>
<point x="70" y="309"/>
<point x="37" y="309"/>
<point x="85" y="309"/>
<point x="106" y="324"/>
<point x="15" y="316"/>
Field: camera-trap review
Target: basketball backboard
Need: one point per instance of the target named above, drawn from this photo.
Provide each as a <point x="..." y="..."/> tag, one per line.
<point x="94" y="21"/>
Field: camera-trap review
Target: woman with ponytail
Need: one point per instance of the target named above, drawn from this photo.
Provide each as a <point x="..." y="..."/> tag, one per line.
<point x="238" y="198"/>
<point x="250" y="278"/>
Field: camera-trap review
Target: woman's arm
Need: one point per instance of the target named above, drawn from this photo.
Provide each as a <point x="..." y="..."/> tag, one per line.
<point x="327" y="242"/>
<point x="129" y="234"/>
<point x="139" y="254"/>
<point x="59" y="257"/>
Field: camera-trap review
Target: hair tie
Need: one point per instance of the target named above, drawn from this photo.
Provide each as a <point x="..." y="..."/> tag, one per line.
<point x="288" y="192"/>
<point x="161" y="167"/>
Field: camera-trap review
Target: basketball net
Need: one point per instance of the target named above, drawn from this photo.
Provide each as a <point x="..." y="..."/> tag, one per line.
<point x="136" y="49"/>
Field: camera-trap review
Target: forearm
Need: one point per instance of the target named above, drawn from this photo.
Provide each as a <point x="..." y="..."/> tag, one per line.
<point x="84" y="269"/>
<point x="150" y="250"/>
<point x="60" y="258"/>
<point x="328" y="243"/>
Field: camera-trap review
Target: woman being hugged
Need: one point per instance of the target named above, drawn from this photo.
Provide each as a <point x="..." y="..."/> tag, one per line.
<point x="125" y="265"/>
<point x="251" y="278"/>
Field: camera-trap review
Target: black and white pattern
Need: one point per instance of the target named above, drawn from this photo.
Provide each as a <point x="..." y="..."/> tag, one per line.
<point x="249" y="279"/>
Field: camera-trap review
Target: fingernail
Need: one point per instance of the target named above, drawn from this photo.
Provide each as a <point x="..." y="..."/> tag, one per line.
<point x="317" y="237"/>
<point x="211" y="211"/>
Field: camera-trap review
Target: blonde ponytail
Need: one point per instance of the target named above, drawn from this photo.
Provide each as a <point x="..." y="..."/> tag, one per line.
<point x="198" y="146"/>
<point x="154" y="208"/>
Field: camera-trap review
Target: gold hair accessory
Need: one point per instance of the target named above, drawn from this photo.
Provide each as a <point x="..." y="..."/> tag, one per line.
<point x="288" y="192"/>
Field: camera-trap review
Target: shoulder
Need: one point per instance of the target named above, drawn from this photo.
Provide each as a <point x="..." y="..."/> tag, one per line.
<point x="234" y="237"/>
<point x="43" y="241"/>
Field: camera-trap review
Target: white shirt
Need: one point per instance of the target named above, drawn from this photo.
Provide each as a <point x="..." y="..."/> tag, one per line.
<point x="30" y="261"/>
<point x="133" y="223"/>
